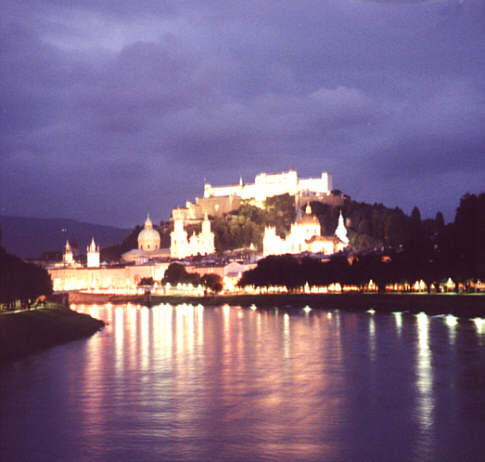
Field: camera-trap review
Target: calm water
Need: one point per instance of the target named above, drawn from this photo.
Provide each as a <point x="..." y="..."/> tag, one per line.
<point x="229" y="384"/>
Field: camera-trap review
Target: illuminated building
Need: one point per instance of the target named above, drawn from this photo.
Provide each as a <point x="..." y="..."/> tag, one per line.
<point x="93" y="259"/>
<point x="305" y="236"/>
<point x="268" y="185"/>
<point x="148" y="246"/>
<point x="68" y="257"/>
<point x="116" y="279"/>
<point x="219" y="200"/>
<point x="198" y="244"/>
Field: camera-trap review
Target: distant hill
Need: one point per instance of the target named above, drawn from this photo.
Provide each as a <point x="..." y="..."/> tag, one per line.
<point x="30" y="237"/>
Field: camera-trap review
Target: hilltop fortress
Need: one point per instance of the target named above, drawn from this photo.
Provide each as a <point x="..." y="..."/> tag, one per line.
<point x="219" y="200"/>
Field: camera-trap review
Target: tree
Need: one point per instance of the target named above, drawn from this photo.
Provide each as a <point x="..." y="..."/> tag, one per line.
<point x="439" y="221"/>
<point x="416" y="215"/>
<point x="21" y="281"/>
<point x="146" y="282"/>
<point x="176" y="273"/>
<point x="275" y="270"/>
<point x="212" y="281"/>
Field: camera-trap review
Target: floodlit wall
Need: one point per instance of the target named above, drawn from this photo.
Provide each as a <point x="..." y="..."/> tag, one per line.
<point x="268" y="185"/>
<point x="127" y="277"/>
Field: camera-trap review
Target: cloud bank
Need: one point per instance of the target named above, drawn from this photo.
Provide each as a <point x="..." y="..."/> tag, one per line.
<point x="110" y="109"/>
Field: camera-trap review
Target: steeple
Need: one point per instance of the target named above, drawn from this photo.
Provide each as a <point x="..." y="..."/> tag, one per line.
<point x="308" y="209"/>
<point x="68" y="257"/>
<point x="93" y="257"/>
<point x="341" y="231"/>
<point x="92" y="246"/>
<point x="148" y="222"/>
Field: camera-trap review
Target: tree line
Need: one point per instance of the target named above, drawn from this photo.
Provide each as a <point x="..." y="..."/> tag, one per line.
<point x="20" y="281"/>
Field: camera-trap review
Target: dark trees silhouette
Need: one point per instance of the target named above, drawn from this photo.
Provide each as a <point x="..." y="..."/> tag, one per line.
<point x="21" y="281"/>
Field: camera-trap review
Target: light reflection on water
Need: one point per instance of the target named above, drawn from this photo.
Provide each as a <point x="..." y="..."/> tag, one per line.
<point x="226" y="383"/>
<point x="424" y="383"/>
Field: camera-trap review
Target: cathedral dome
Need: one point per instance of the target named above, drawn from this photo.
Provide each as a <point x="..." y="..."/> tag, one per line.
<point x="149" y="238"/>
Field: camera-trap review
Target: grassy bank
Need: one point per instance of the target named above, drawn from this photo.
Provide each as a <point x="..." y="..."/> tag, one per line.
<point x="460" y="305"/>
<point x="27" y="332"/>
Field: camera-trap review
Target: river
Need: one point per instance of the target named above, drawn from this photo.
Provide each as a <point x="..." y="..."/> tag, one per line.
<point x="191" y="383"/>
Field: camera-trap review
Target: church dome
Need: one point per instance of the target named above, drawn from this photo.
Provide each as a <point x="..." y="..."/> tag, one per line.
<point x="149" y="238"/>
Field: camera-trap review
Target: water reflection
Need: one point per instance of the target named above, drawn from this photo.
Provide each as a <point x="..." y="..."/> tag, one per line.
<point x="479" y="325"/>
<point x="424" y="384"/>
<point x="286" y="335"/>
<point x="372" y="337"/>
<point x="226" y="383"/>
<point x="119" y="332"/>
<point x="398" y="319"/>
<point x="451" y="322"/>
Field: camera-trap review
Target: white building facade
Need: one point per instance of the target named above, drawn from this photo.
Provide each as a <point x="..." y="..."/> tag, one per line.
<point x="198" y="244"/>
<point x="93" y="255"/>
<point x="305" y="236"/>
<point x="268" y="185"/>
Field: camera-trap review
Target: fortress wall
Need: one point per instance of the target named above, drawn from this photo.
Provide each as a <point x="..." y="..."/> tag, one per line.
<point x="217" y="191"/>
<point x="219" y="200"/>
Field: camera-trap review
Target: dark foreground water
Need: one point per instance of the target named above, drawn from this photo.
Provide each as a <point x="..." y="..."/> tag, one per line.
<point x="229" y="384"/>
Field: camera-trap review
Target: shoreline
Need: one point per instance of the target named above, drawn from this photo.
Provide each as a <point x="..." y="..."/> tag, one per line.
<point x="469" y="305"/>
<point x="27" y="332"/>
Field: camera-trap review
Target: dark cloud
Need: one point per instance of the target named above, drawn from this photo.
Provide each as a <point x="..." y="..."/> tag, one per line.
<point x="109" y="110"/>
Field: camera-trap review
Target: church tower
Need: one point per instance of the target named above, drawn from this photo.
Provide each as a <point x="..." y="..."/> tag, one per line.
<point x="178" y="240"/>
<point x="93" y="256"/>
<point x="68" y="257"/>
<point x="206" y="238"/>
<point x="341" y="231"/>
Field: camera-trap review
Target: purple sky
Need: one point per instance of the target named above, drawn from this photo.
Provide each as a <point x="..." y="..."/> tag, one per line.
<point x="113" y="108"/>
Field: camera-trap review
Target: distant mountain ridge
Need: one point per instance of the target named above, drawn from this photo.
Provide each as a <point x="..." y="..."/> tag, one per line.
<point x="29" y="237"/>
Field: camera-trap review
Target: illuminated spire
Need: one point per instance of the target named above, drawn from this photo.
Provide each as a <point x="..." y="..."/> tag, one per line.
<point x="92" y="246"/>
<point x="341" y="231"/>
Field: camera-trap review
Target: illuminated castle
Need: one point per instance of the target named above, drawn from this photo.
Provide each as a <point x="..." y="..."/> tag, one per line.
<point x="219" y="200"/>
<point x="268" y="185"/>
<point x="305" y="236"/>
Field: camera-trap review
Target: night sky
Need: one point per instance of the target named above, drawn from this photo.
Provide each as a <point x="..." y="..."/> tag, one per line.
<point x="110" y="109"/>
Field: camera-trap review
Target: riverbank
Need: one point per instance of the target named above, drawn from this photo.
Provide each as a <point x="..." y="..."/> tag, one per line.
<point x="27" y="332"/>
<point x="469" y="305"/>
